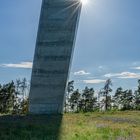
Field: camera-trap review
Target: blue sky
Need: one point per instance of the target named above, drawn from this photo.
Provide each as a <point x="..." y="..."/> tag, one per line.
<point x="107" y="45"/>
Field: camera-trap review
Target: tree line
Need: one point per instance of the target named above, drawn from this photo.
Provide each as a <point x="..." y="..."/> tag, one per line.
<point x="104" y="100"/>
<point x="14" y="98"/>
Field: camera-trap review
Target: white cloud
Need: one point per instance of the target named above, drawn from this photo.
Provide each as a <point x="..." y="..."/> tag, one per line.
<point x="123" y="75"/>
<point x="81" y="72"/>
<point x="109" y="75"/>
<point x="136" y="68"/>
<point x="94" y="81"/>
<point x="24" y="65"/>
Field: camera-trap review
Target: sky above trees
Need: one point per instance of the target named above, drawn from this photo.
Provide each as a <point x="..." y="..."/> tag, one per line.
<point x="107" y="45"/>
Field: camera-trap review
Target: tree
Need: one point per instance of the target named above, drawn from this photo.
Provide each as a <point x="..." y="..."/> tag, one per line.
<point x="7" y="95"/>
<point x="17" y="100"/>
<point x="23" y="87"/>
<point x="21" y="96"/>
<point x="74" y="100"/>
<point x="105" y="92"/>
<point x="88" y="99"/>
<point x="127" y="100"/>
<point x="70" y="89"/>
<point x="137" y="97"/>
<point x="123" y="99"/>
<point x="12" y="97"/>
<point x="24" y="106"/>
<point x="117" y="98"/>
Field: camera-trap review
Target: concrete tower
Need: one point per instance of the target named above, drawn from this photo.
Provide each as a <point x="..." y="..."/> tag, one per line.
<point x="53" y="54"/>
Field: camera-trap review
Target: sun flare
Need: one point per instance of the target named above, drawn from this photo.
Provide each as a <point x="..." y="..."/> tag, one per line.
<point x="84" y="2"/>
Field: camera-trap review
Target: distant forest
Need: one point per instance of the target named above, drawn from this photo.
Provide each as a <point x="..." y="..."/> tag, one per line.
<point x="14" y="98"/>
<point x="104" y="100"/>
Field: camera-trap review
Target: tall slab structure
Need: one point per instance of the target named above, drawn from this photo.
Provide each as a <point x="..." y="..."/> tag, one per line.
<point x="53" y="54"/>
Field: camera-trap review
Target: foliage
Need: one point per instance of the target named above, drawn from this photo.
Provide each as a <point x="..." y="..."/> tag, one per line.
<point x="89" y="100"/>
<point x="105" y="92"/>
<point x="70" y="89"/>
<point x="123" y="99"/>
<point x="12" y="97"/>
<point x="86" y="101"/>
<point x="74" y="100"/>
<point x="137" y="97"/>
<point x="7" y="97"/>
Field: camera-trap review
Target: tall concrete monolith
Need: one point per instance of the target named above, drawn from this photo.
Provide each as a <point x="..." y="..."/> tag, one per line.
<point x="53" y="55"/>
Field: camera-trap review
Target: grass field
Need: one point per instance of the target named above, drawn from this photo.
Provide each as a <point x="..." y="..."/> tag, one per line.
<point x="88" y="126"/>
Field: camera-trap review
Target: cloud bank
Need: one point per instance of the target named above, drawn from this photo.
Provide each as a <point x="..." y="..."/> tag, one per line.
<point x="94" y="81"/>
<point x="23" y="65"/>
<point x="123" y="75"/>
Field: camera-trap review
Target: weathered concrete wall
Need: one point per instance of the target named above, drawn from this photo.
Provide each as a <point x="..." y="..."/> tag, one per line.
<point x="53" y="54"/>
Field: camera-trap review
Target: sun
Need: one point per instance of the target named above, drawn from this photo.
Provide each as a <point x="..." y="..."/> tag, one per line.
<point x="84" y="2"/>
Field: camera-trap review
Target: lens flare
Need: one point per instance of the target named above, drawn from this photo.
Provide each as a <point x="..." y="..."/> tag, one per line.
<point x="84" y="2"/>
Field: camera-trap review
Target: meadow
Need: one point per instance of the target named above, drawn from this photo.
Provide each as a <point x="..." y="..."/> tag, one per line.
<point x="118" y="125"/>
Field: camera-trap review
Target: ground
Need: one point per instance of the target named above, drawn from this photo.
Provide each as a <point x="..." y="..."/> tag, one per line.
<point x="81" y="126"/>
